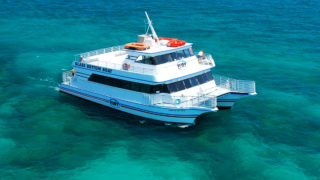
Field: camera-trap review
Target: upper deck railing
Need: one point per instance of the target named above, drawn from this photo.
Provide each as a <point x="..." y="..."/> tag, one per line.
<point x="99" y="51"/>
<point x="132" y="68"/>
<point x="245" y="86"/>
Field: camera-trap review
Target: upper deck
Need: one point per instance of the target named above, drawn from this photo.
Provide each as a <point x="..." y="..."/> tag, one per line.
<point x="159" y="60"/>
<point x="112" y="61"/>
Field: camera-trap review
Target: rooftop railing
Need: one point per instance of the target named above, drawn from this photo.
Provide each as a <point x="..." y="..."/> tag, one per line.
<point x="99" y="51"/>
<point x="246" y="86"/>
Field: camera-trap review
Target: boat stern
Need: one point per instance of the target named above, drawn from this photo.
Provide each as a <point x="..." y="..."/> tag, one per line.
<point x="236" y="89"/>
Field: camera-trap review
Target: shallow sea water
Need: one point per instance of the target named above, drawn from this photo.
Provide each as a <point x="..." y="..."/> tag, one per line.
<point x="45" y="134"/>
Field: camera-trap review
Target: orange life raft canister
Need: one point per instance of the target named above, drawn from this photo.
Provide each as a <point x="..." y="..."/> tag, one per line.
<point x="137" y="46"/>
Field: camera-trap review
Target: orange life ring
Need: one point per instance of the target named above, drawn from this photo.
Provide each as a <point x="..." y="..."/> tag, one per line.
<point x="137" y="46"/>
<point x="126" y="66"/>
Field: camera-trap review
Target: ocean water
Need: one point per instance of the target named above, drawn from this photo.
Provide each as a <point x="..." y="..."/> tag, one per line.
<point x="45" y="134"/>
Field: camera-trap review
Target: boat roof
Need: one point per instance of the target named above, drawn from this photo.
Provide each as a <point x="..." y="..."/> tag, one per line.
<point x="157" y="50"/>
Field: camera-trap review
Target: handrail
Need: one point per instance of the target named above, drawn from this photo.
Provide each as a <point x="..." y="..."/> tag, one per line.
<point x="99" y="51"/>
<point x="115" y="66"/>
<point x="87" y="58"/>
<point x="203" y="100"/>
<point x="67" y="77"/>
<point x="246" y="86"/>
<point x="207" y="101"/>
<point x="206" y="60"/>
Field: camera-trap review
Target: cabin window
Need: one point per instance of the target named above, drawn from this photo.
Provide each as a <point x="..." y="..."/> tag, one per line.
<point x="204" y="76"/>
<point x="163" y="58"/>
<point x="209" y="76"/>
<point x="145" y="88"/>
<point x="135" y="86"/>
<point x="190" y="82"/>
<point x="180" y="86"/>
<point x="111" y="82"/>
<point x="194" y="81"/>
<point x="144" y="60"/>
<point x="172" y="87"/>
<point x="155" y="60"/>
<point x="167" y="57"/>
<point x="191" y="51"/>
<point x="180" y="55"/>
<point x="158" y="60"/>
<point x="156" y="88"/>
<point x="165" y="89"/>
<point x="187" y="83"/>
<point x="186" y="52"/>
<point x="200" y="79"/>
<point x="174" y="56"/>
<point x="130" y="57"/>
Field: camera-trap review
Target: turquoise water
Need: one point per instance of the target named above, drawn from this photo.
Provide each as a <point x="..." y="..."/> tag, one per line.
<point x="275" y="135"/>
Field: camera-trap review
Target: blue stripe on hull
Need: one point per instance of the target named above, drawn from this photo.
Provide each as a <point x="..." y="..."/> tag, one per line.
<point x="227" y="100"/>
<point x="193" y="116"/>
<point x="147" y="106"/>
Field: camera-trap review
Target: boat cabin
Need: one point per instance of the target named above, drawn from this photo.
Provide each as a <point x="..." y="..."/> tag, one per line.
<point x="155" y="59"/>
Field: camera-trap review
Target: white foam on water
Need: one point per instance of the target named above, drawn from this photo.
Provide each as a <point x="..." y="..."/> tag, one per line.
<point x="142" y="121"/>
<point x="184" y="126"/>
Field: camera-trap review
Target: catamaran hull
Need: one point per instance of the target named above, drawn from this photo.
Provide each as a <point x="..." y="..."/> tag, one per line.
<point x="161" y="113"/>
<point x="226" y="101"/>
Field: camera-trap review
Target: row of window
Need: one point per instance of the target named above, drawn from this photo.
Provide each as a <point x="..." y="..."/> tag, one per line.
<point x="160" y="88"/>
<point x="190" y="82"/>
<point x="164" y="58"/>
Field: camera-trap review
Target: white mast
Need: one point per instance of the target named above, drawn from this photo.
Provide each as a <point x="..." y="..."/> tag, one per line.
<point x="151" y="27"/>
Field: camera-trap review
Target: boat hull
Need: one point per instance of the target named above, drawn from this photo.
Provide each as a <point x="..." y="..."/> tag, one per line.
<point x="160" y="113"/>
<point x="226" y="101"/>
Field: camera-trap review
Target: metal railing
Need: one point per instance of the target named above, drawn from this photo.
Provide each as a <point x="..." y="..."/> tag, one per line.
<point x="99" y="51"/>
<point x="207" y="101"/>
<point x="203" y="100"/>
<point x="137" y="68"/>
<point x="234" y="84"/>
<point x="67" y="77"/>
<point x="132" y="68"/>
<point x="207" y="60"/>
<point x="83" y="58"/>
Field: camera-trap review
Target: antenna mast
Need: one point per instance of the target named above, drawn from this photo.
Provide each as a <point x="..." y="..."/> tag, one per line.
<point x="151" y="27"/>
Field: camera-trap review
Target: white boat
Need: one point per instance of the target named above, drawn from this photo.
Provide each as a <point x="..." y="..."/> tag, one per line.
<point x="156" y="78"/>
